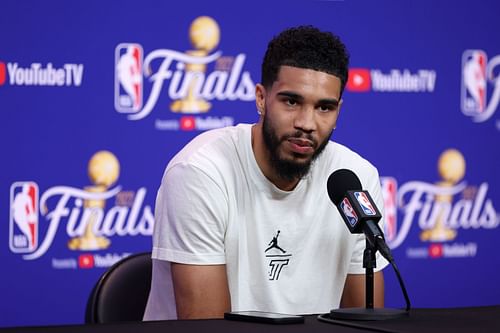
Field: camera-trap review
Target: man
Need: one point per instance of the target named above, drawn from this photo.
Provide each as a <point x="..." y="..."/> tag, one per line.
<point x="243" y="218"/>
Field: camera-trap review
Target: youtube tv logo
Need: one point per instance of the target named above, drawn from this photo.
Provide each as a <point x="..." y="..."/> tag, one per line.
<point x="86" y="261"/>
<point x="436" y="250"/>
<point x="187" y="123"/>
<point x="359" y="80"/>
<point x="3" y="73"/>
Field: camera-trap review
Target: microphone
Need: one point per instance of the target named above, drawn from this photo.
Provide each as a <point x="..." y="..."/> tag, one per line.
<point x="361" y="215"/>
<point x="357" y="208"/>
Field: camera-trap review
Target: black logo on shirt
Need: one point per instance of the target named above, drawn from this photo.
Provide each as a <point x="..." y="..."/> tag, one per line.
<point x="274" y="243"/>
<point x="276" y="260"/>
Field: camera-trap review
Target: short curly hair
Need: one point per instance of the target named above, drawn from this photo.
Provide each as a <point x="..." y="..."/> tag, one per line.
<point x="306" y="47"/>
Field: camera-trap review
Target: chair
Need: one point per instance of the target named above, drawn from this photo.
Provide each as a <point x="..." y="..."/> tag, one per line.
<point x="122" y="291"/>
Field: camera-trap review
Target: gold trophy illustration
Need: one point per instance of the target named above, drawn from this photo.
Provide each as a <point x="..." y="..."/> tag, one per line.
<point x="451" y="167"/>
<point x="104" y="170"/>
<point x="204" y="34"/>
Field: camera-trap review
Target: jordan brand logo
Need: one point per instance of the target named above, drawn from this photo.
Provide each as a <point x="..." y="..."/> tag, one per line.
<point x="274" y="244"/>
<point x="276" y="261"/>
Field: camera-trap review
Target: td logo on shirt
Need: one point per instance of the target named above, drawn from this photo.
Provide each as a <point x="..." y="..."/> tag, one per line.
<point x="277" y="257"/>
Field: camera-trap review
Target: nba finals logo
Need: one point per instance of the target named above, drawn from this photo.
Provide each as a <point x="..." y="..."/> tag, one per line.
<point x="440" y="210"/>
<point x="80" y="212"/>
<point x="191" y="85"/>
<point x="477" y="72"/>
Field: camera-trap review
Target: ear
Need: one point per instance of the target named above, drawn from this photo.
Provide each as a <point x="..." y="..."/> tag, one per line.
<point x="260" y="98"/>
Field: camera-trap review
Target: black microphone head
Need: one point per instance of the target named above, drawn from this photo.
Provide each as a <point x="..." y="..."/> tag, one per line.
<point x="341" y="181"/>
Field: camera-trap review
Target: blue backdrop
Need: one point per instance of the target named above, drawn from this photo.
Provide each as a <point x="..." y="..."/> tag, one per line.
<point x="97" y="96"/>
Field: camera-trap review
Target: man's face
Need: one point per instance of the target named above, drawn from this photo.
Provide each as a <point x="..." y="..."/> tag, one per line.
<point x="300" y="112"/>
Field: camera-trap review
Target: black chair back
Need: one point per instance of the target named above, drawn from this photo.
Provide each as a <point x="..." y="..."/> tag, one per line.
<point x="122" y="291"/>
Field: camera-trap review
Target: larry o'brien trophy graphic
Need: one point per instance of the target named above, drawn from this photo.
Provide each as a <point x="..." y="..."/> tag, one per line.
<point x="451" y="167"/>
<point x="104" y="170"/>
<point x="204" y="34"/>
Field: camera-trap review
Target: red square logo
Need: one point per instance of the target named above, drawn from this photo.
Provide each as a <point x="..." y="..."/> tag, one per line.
<point x="436" y="250"/>
<point x="359" y="80"/>
<point x="3" y="74"/>
<point x="187" y="123"/>
<point x="86" y="261"/>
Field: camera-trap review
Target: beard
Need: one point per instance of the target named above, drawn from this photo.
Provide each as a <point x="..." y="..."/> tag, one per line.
<point x="289" y="169"/>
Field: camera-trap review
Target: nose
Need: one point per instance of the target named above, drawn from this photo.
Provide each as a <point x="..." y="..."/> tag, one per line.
<point x="305" y="120"/>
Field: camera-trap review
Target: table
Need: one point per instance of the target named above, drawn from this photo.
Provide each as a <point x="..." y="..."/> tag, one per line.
<point x="456" y="320"/>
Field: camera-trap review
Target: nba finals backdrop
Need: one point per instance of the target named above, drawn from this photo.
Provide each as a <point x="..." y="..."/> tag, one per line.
<point x="97" y="96"/>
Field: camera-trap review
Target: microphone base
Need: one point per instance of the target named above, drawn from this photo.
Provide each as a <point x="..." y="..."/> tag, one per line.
<point x="366" y="314"/>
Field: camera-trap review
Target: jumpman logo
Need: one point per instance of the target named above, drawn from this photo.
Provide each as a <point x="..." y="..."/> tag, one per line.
<point x="274" y="243"/>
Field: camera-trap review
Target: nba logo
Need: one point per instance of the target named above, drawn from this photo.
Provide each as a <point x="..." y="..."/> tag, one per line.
<point x="365" y="203"/>
<point x="128" y="78"/>
<point x="473" y="82"/>
<point x="349" y="212"/>
<point x="23" y="222"/>
<point x="389" y="194"/>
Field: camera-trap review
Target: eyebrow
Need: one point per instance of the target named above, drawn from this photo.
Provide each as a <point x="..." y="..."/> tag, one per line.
<point x="300" y="98"/>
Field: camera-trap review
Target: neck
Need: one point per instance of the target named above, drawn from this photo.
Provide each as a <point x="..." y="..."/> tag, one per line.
<point x="262" y="156"/>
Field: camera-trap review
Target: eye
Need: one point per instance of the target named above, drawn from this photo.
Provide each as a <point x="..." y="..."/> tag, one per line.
<point x="290" y="102"/>
<point x="327" y="108"/>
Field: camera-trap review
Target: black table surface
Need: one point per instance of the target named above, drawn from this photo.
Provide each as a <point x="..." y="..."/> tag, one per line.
<point x="456" y="320"/>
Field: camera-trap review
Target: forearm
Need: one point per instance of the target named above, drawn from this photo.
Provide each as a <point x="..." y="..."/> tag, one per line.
<point x="354" y="294"/>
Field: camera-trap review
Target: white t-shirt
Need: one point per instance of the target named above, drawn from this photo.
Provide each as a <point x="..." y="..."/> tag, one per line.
<point x="284" y="251"/>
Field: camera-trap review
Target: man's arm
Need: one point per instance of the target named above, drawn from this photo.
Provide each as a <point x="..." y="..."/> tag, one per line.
<point x="354" y="291"/>
<point x="201" y="291"/>
<point x="191" y="217"/>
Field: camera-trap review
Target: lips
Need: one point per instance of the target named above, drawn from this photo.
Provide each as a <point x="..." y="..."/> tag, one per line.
<point x="301" y="146"/>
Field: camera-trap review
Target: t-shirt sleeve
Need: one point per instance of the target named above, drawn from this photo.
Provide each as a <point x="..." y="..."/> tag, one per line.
<point x="372" y="185"/>
<point x="190" y="217"/>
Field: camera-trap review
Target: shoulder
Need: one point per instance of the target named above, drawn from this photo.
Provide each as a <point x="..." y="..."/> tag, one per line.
<point x="226" y="138"/>
<point x="212" y="153"/>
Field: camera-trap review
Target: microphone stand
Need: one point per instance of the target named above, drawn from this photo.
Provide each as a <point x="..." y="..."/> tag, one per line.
<point x="369" y="263"/>
<point x="368" y="312"/>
